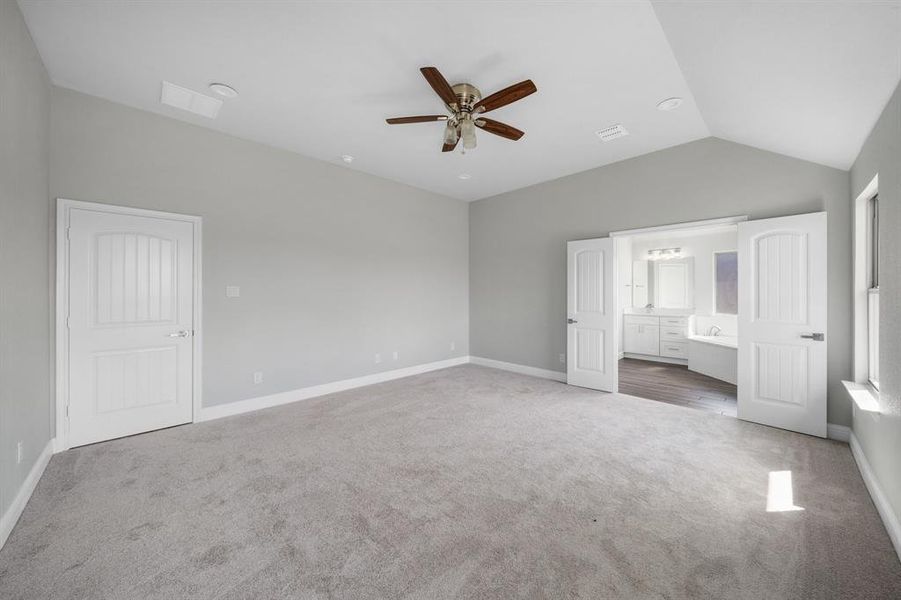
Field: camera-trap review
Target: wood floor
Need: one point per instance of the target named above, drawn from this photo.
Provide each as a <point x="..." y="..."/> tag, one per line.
<point x="675" y="384"/>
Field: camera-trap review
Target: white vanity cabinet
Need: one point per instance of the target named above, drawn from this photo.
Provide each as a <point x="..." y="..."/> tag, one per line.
<point x="662" y="337"/>
<point x="641" y="335"/>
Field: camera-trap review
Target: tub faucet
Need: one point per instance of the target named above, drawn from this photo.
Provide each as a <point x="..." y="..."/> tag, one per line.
<point x="714" y="330"/>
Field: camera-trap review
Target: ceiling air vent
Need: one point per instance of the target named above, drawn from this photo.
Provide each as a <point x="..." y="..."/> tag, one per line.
<point x="189" y="100"/>
<point x="612" y="132"/>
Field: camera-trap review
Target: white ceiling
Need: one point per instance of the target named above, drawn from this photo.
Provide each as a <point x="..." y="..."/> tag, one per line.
<point x="806" y="79"/>
<point x="319" y="78"/>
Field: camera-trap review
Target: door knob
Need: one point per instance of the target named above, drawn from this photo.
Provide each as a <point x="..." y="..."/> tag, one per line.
<point x="571" y="321"/>
<point x="183" y="333"/>
<point x="817" y="337"/>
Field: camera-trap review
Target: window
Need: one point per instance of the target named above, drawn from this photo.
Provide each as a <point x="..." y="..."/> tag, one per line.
<point x="872" y="245"/>
<point x="725" y="287"/>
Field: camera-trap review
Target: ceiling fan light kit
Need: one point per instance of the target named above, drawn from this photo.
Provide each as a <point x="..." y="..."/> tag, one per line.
<point x="465" y="103"/>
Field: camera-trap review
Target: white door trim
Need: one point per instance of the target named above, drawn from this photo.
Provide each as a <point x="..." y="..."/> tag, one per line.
<point x="63" y="210"/>
<point x="707" y="223"/>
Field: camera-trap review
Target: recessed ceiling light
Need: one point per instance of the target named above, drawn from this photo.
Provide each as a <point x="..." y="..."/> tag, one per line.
<point x="464" y="176"/>
<point x="226" y="91"/>
<point x="670" y="104"/>
<point x="347" y="158"/>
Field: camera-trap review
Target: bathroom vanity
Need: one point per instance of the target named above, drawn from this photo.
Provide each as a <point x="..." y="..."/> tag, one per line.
<point x="656" y="337"/>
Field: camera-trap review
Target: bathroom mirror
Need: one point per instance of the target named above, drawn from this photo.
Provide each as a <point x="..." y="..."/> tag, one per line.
<point x="673" y="283"/>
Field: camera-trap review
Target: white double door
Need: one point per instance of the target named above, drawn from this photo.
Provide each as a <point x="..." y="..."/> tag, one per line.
<point x="130" y="324"/>
<point x="781" y="320"/>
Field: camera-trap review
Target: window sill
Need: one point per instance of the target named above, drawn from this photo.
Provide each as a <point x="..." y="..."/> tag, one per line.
<point x="864" y="396"/>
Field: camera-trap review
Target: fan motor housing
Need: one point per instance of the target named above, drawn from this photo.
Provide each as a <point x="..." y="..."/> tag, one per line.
<point x="467" y="96"/>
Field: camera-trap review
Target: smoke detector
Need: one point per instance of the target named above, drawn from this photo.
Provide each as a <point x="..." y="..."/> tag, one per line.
<point x="224" y="90"/>
<point x="612" y="132"/>
<point x="669" y="104"/>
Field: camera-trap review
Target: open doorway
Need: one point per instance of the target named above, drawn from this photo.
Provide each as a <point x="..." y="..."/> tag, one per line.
<point x="772" y="347"/>
<point x="677" y="315"/>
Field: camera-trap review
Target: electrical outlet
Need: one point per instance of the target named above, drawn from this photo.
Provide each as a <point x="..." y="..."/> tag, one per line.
<point x="258" y="377"/>
<point x="378" y="358"/>
<point x="563" y="358"/>
<point x="394" y="356"/>
<point x="453" y="346"/>
<point x="19" y="453"/>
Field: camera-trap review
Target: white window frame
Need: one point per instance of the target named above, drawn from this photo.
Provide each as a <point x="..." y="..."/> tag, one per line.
<point x="714" y="311"/>
<point x="872" y="242"/>
<point x="864" y="357"/>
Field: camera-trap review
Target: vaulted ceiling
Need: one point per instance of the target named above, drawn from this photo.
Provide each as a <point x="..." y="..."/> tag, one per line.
<point x="319" y="78"/>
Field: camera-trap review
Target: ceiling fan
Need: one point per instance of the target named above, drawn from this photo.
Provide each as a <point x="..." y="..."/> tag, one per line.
<point x="465" y="103"/>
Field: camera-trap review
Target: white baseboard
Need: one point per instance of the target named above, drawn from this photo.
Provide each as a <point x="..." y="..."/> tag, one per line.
<point x="521" y="369"/>
<point x="889" y="518"/>
<point x="12" y="514"/>
<point x="839" y="433"/>
<point x="251" y="404"/>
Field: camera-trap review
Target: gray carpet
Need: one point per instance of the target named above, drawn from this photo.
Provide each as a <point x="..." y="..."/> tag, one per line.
<point x="462" y="483"/>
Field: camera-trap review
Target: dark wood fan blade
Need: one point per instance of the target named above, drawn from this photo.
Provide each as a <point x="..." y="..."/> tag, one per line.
<point x="422" y="119"/>
<point x="440" y="85"/>
<point x="498" y="128"/>
<point x="450" y="147"/>
<point x="506" y="96"/>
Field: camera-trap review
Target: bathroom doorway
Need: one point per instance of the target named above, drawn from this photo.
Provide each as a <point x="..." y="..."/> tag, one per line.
<point x="737" y="301"/>
<point x="677" y="339"/>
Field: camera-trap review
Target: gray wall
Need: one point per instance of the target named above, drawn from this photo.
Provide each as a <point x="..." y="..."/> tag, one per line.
<point x="25" y="375"/>
<point x="879" y="434"/>
<point x="518" y="239"/>
<point x="334" y="265"/>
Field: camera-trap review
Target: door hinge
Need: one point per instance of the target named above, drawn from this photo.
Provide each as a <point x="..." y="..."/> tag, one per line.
<point x="67" y="411"/>
<point x="68" y="233"/>
<point x="67" y="322"/>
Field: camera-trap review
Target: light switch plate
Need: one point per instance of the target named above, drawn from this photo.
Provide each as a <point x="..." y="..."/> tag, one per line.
<point x="232" y="291"/>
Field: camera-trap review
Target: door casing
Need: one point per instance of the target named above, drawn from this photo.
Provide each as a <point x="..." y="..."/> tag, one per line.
<point x="63" y="209"/>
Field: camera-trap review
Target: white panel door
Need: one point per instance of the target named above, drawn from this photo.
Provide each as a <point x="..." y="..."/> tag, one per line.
<point x="591" y="308"/>
<point x="130" y="324"/>
<point x="782" y="322"/>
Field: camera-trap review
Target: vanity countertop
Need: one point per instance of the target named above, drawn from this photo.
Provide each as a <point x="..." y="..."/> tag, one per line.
<point x="659" y="312"/>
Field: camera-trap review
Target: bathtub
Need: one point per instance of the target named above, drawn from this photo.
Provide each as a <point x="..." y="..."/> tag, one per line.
<point x="715" y="356"/>
<point x="729" y="341"/>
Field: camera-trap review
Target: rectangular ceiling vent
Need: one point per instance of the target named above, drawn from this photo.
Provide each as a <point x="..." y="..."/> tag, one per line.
<point x="189" y="100"/>
<point x="612" y="132"/>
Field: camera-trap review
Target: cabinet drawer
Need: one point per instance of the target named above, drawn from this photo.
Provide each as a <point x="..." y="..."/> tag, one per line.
<point x="676" y="334"/>
<point x="674" y="349"/>
<point x="674" y="321"/>
<point x="641" y="320"/>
